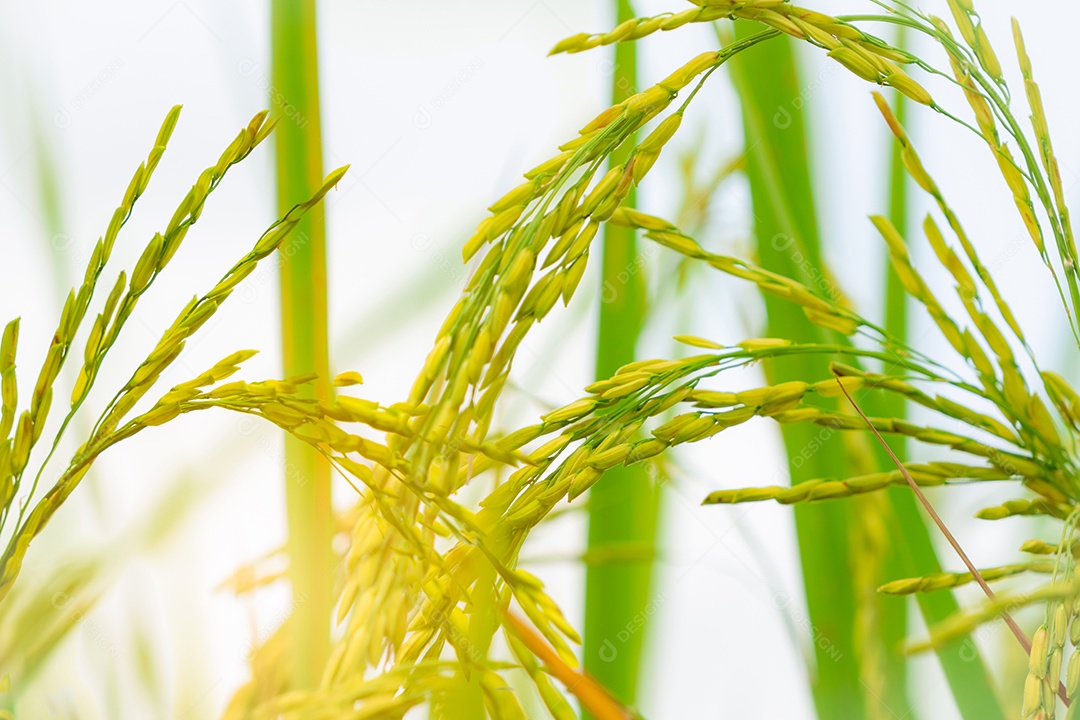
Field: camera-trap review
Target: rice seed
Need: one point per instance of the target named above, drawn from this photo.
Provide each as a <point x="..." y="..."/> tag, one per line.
<point x="940" y="581"/>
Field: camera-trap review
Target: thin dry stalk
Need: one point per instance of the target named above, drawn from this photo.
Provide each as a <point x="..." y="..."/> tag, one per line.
<point x="1019" y="634"/>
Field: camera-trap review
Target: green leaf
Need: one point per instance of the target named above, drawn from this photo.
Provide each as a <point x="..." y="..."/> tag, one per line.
<point x="779" y="171"/>
<point x="624" y="504"/>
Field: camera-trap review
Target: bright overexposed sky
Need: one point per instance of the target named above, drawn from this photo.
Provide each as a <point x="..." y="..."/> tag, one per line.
<point x="439" y="107"/>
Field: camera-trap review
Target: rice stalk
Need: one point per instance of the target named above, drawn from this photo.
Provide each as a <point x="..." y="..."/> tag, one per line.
<point x="969" y="681"/>
<point x="896" y="299"/>
<point x="304" y="334"/>
<point x="595" y="698"/>
<point x="893" y="631"/>
<point x="113" y="424"/>
<point x="1036" y="648"/>
<point x="792" y="254"/>
<point x="623" y="510"/>
<point x="783" y="206"/>
<point x="880" y="678"/>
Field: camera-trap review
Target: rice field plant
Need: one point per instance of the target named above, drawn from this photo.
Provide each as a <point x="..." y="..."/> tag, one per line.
<point x="412" y="600"/>
<point x="624" y="512"/>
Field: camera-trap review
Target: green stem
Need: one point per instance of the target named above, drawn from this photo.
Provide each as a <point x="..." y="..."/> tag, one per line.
<point x="893" y="405"/>
<point x="623" y="507"/>
<point x="778" y="169"/>
<point x="896" y="298"/>
<point x="295" y="100"/>
<point x="968" y="677"/>
<point x="782" y="195"/>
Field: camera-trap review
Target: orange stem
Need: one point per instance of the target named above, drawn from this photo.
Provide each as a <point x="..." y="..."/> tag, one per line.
<point x="591" y="694"/>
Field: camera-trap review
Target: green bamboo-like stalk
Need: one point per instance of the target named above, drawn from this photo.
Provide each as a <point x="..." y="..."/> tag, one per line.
<point x="623" y="506"/>
<point x="968" y="678"/>
<point x="893" y="405"/>
<point x="787" y="242"/>
<point x="967" y="675"/>
<point x="896" y="298"/>
<point x="295" y="99"/>
<point x="778" y="168"/>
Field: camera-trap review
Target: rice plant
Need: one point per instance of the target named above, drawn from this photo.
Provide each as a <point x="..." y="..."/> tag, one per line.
<point x="623" y="512"/>
<point x="304" y="336"/>
<point x="431" y="607"/>
<point x="35" y="486"/>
